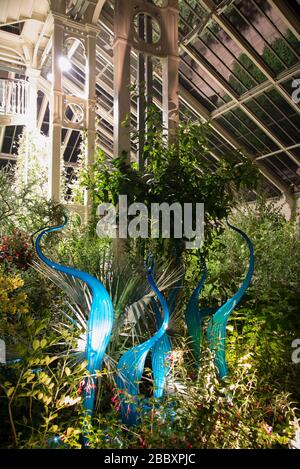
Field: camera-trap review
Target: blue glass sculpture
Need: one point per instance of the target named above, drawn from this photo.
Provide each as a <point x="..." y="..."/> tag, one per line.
<point x="160" y="351"/>
<point x="163" y="347"/>
<point x="100" y="320"/>
<point x="216" y="332"/>
<point x="194" y="315"/>
<point x="131" y="365"/>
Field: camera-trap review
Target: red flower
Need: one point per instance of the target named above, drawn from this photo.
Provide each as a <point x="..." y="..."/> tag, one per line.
<point x="80" y="387"/>
<point x="142" y="444"/>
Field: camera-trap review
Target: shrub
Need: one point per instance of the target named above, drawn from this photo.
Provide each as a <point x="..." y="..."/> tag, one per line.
<point x="12" y="298"/>
<point x="16" y="250"/>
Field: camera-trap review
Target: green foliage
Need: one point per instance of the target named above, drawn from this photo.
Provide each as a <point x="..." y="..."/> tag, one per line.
<point x="241" y="412"/>
<point x="182" y="172"/>
<point x="268" y="319"/>
<point x="16" y="250"/>
<point x="22" y="208"/>
<point x="32" y="164"/>
<point x="41" y="393"/>
<point x="252" y="408"/>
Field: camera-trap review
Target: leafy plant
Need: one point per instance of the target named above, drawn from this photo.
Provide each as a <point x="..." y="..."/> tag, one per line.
<point x="21" y="208"/>
<point x="182" y="172"/>
<point x="12" y="298"/>
<point x="16" y="249"/>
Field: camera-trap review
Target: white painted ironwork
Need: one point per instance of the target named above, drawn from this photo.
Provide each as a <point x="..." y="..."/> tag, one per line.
<point x="13" y="97"/>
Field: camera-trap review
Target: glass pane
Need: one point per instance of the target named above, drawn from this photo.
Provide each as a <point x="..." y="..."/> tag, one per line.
<point x="277" y="127"/>
<point x="201" y="79"/>
<point x="265" y="31"/>
<point x="284" y="167"/>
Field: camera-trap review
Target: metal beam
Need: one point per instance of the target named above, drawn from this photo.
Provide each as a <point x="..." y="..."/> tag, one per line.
<point x="102" y="113"/>
<point x="42" y="112"/>
<point x="189" y="37"/>
<point x="291" y="147"/>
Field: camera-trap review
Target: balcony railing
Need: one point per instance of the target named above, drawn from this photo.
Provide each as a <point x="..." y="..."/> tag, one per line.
<point x="13" y="97"/>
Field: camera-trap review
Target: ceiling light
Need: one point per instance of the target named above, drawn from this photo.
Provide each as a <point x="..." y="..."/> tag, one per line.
<point x="64" y="64"/>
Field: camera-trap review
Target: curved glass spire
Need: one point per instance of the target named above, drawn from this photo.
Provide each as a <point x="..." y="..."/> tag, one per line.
<point x="216" y="331"/>
<point x="100" y="320"/>
<point x="131" y="364"/>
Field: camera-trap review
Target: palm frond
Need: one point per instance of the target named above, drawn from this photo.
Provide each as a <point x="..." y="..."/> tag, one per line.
<point x="130" y="293"/>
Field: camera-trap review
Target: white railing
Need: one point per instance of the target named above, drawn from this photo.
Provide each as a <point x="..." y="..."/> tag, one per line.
<point x="13" y="97"/>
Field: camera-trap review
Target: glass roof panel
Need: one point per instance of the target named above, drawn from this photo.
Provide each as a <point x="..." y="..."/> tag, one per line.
<point x="265" y="31"/>
<point x="209" y="89"/>
<point x="190" y="14"/>
<point x="276" y="126"/>
<point x="284" y="167"/>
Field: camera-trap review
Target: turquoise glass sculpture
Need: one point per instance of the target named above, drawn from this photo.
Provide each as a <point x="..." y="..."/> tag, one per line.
<point x="100" y="319"/>
<point x="132" y="363"/>
<point x="194" y="315"/>
<point x="216" y="331"/>
<point x="162" y="348"/>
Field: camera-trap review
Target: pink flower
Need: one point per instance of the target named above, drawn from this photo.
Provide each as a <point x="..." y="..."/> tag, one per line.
<point x="267" y="428"/>
<point x="80" y="387"/>
<point x="174" y="356"/>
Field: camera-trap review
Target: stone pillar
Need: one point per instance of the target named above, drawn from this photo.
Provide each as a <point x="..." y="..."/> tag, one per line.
<point x="122" y="46"/>
<point x="56" y="113"/>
